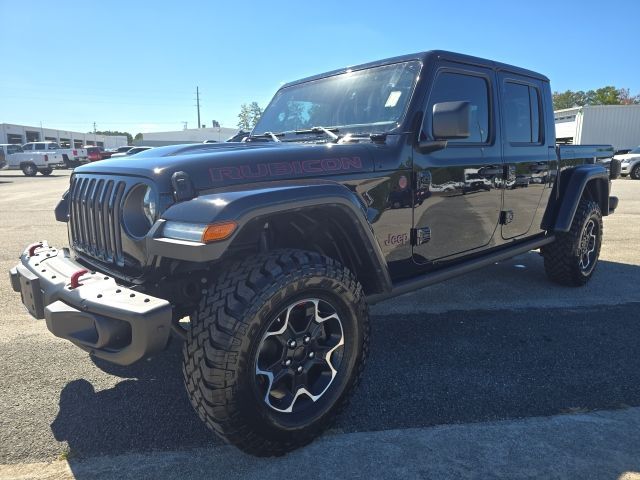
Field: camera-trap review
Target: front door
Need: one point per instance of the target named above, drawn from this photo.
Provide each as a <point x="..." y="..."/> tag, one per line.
<point x="525" y="155"/>
<point x="458" y="194"/>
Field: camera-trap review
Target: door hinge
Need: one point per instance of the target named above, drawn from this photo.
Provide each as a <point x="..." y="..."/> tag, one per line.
<point x="420" y="235"/>
<point x="506" y="217"/>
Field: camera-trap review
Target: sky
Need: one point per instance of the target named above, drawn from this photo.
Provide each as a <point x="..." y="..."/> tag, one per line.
<point x="134" y="66"/>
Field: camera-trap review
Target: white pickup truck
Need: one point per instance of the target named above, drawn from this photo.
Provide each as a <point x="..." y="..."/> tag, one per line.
<point x="30" y="162"/>
<point x="72" y="156"/>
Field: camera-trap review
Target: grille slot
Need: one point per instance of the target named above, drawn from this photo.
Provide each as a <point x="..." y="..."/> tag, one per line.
<point x="96" y="207"/>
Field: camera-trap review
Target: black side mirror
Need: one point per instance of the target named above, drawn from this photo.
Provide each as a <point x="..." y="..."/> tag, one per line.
<point x="450" y="120"/>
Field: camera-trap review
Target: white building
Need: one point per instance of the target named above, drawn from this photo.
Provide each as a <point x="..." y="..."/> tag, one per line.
<point x="10" y="133"/>
<point x="191" y="135"/>
<point x="617" y="125"/>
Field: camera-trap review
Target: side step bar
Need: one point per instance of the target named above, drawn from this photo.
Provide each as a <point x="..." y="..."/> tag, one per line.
<point x="438" y="276"/>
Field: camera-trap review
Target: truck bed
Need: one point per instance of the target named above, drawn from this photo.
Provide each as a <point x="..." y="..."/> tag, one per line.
<point x="592" y="153"/>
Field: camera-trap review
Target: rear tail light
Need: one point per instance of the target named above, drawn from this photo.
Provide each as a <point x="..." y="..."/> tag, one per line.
<point x="75" y="152"/>
<point x="46" y="158"/>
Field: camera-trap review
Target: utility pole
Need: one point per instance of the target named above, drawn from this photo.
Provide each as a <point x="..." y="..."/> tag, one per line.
<point x="198" y="105"/>
<point x="95" y="142"/>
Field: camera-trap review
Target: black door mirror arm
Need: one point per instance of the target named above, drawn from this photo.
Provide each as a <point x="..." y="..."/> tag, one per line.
<point x="429" y="146"/>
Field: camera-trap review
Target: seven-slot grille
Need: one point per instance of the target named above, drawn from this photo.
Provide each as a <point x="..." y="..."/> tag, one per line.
<point x="94" y="216"/>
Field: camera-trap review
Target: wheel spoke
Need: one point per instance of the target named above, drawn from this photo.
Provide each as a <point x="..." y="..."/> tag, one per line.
<point x="588" y="245"/>
<point x="299" y="381"/>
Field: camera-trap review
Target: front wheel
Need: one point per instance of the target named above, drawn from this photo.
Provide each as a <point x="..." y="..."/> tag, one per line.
<point x="275" y="350"/>
<point x="635" y="173"/>
<point x="572" y="258"/>
<point x="29" y="170"/>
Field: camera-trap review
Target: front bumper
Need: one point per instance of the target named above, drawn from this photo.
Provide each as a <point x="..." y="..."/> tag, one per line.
<point x="108" y="320"/>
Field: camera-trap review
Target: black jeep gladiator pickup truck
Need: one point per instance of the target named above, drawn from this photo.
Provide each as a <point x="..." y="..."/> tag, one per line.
<point x="355" y="186"/>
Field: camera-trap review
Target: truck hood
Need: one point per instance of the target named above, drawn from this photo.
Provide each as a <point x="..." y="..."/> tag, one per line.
<point x="224" y="164"/>
<point x="627" y="156"/>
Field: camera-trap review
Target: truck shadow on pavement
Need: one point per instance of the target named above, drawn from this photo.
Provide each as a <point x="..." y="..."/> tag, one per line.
<point x="424" y="370"/>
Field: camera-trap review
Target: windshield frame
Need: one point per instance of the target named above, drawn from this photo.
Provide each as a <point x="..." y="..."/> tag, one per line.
<point x="351" y="128"/>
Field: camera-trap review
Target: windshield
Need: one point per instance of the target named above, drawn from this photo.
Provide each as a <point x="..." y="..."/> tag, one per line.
<point x="14" y="149"/>
<point x="373" y="99"/>
<point x="635" y="150"/>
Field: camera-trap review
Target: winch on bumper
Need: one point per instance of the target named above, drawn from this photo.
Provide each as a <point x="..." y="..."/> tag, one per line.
<point x="90" y="309"/>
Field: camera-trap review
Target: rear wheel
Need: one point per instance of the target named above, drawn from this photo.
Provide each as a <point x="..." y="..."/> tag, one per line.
<point x="635" y="173"/>
<point x="275" y="350"/>
<point x="29" y="169"/>
<point x="572" y="258"/>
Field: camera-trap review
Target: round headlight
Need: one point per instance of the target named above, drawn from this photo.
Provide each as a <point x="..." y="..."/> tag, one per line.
<point x="150" y="205"/>
<point x="140" y="210"/>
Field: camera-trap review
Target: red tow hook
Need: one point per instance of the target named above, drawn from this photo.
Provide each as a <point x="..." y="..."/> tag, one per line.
<point x="32" y="248"/>
<point x="75" y="278"/>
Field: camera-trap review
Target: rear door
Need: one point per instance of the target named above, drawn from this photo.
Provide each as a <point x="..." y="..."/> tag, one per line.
<point x="525" y="153"/>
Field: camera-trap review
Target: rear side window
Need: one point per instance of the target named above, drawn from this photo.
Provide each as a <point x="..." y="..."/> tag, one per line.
<point x="522" y="113"/>
<point x="39" y="146"/>
<point x="454" y="87"/>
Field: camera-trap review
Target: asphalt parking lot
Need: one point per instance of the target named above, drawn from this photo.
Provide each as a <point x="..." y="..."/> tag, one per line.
<point x="497" y="374"/>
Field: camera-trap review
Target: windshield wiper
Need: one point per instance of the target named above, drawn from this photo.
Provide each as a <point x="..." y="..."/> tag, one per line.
<point x="327" y="131"/>
<point x="268" y="135"/>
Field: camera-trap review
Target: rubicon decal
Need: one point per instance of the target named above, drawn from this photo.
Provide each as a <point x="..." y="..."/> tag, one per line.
<point x="285" y="169"/>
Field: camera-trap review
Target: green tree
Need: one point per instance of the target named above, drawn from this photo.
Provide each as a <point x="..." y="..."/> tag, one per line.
<point x="215" y="124"/>
<point x="570" y="99"/>
<point x="562" y="100"/>
<point x="255" y="112"/>
<point x="138" y="136"/>
<point x="244" y="117"/>
<point x="608" y="95"/>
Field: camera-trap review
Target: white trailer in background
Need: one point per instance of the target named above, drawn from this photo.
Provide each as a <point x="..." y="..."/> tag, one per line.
<point x="617" y="125"/>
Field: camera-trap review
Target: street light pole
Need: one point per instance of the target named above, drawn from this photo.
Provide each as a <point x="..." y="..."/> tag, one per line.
<point x="198" y="105"/>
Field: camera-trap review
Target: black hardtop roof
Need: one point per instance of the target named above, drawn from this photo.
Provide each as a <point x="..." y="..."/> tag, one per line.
<point x="425" y="57"/>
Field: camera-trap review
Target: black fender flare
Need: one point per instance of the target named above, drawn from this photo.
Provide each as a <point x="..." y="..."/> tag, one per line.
<point x="244" y="205"/>
<point x="573" y="183"/>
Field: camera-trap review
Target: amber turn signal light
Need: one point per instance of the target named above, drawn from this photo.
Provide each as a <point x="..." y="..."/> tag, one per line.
<point x="218" y="231"/>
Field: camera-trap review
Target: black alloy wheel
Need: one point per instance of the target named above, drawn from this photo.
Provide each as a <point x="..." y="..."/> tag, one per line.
<point x="299" y="355"/>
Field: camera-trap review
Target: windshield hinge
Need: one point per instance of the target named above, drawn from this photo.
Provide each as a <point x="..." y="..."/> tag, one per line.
<point x="183" y="188"/>
<point x="378" y="137"/>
